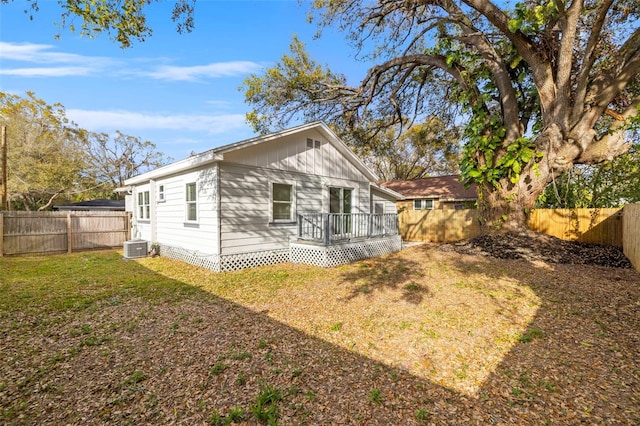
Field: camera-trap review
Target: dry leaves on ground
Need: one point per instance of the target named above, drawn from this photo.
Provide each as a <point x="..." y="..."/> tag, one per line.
<point x="423" y="336"/>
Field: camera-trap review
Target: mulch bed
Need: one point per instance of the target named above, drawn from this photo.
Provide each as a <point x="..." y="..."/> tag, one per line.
<point x="540" y="247"/>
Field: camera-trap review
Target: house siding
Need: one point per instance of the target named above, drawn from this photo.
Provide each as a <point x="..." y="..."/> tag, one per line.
<point x="168" y="223"/>
<point x="234" y="227"/>
<point x="389" y="203"/>
<point x="291" y="154"/>
<point x="245" y="205"/>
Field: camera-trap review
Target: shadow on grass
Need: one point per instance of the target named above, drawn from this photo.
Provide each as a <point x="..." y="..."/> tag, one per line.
<point x="145" y="349"/>
<point x="388" y="273"/>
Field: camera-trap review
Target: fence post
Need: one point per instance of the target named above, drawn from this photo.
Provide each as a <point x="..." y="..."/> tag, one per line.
<point x="1" y="233"/>
<point x="69" y="239"/>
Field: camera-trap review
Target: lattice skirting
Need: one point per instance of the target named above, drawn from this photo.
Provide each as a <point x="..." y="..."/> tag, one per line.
<point x="316" y="255"/>
<point x="225" y="263"/>
<point x="208" y="261"/>
<point x="234" y="262"/>
<point x="340" y="254"/>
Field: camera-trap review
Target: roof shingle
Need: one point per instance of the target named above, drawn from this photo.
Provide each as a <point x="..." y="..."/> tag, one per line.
<point x="440" y="187"/>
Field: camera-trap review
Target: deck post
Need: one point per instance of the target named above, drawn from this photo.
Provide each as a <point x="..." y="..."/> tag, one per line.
<point x="326" y="225"/>
<point x="299" y="226"/>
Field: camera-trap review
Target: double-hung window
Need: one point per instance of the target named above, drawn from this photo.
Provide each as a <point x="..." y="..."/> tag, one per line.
<point x="191" y="202"/>
<point x="144" y="208"/>
<point x="282" y="202"/>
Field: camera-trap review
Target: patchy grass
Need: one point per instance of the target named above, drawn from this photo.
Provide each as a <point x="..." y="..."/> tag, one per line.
<point x="449" y="338"/>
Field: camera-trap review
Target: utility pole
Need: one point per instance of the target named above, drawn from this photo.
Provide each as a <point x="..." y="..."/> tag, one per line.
<point x="3" y="148"/>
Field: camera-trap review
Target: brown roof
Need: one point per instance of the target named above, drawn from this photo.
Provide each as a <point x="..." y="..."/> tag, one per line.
<point x="440" y="187"/>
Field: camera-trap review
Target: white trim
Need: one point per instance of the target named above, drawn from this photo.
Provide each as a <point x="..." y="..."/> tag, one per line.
<point x="217" y="154"/>
<point x="188" y="203"/>
<point x="294" y="215"/>
<point x="422" y="200"/>
<point x="160" y="193"/>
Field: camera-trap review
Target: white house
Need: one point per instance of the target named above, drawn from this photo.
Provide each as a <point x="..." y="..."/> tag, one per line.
<point x="298" y="195"/>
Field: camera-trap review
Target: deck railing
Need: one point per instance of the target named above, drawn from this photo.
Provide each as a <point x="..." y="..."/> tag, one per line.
<point x="329" y="228"/>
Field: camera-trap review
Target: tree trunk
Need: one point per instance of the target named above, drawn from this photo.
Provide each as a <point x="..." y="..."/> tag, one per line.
<point x="506" y="208"/>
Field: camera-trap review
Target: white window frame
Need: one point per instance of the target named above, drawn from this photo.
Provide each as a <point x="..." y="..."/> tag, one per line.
<point x="188" y="203"/>
<point x="144" y="205"/>
<point x="161" y="193"/>
<point x="421" y="204"/>
<point x="292" y="218"/>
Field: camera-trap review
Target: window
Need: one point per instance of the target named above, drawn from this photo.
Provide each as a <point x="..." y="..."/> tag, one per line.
<point x="282" y="202"/>
<point x="340" y="202"/>
<point x="191" y="202"/>
<point x="313" y="143"/>
<point x="144" y="208"/>
<point x="160" y="192"/>
<point x="423" y="204"/>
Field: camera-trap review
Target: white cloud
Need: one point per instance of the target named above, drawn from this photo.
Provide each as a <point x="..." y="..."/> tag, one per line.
<point x="70" y="64"/>
<point x="48" y="72"/>
<point x="110" y="121"/>
<point x="41" y="54"/>
<point x="198" y="72"/>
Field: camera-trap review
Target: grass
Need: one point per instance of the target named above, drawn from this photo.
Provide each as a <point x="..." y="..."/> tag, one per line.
<point x="152" y="337"/>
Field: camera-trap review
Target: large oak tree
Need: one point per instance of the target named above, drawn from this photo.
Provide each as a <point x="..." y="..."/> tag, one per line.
<point x="541" y="87"/>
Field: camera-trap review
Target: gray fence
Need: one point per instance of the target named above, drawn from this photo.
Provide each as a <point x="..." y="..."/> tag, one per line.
<point x="47" y="232"/>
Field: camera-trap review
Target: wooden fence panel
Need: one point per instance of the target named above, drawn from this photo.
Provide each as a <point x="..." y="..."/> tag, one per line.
<point x="631" y="233"/>
<point x="34" y="232"/>
<point x="440" y="226"/>
<point x="594" y="226"/>
<point x="47" y="232"/>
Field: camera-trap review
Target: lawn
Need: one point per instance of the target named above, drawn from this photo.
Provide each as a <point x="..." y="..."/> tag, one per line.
<point x="418" y="337"/>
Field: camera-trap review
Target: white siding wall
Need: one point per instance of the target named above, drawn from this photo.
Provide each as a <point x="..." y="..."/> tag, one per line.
<point x="292" y="154"/>
<point x="245" y="205"/>
<point x="380" y="197"/>
<point x="171" y="226"/>
<point x="141" y="227"/>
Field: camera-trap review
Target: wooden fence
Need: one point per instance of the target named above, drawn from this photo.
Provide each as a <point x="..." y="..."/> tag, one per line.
<point x="595" y="226"/>
<point x="438" y="226"/>
<point x="631" y="233"/>
<point x="47" y="232"/>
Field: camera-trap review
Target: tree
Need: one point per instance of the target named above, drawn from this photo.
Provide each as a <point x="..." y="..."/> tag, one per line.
<point x="541" y="87"/>
<point x="113" y="159"/>
<point x="424" y="150"/>
<point x="44" y="156"/>
<point x="610" y="184"/>
<point x="123" y="20"/>
<point x="298" y="87"/>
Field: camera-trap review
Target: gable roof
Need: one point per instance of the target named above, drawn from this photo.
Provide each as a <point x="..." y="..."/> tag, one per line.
<point x="444" y="188"/>
<point x="217" y="154"/>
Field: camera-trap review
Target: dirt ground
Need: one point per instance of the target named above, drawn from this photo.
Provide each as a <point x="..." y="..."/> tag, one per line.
<point x="431" y="335"/>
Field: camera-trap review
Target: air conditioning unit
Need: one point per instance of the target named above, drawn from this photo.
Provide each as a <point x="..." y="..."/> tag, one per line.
<point x="135" y="249"/>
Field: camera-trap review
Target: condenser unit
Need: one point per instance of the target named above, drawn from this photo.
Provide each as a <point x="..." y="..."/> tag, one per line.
<point x="135" y="248"/>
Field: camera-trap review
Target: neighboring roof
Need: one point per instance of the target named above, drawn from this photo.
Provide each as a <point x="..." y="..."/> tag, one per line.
<point x="217" y="154"/>
<point x="444" y="188"/>
<point x="98" y="204"/>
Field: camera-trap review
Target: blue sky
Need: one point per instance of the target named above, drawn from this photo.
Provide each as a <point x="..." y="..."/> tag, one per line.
<point x="178" y="91"/>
